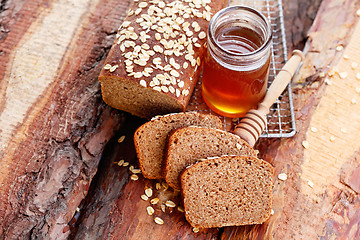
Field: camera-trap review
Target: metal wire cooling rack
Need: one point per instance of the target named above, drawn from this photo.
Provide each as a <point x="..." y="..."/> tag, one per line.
<point x="281" y="119"/>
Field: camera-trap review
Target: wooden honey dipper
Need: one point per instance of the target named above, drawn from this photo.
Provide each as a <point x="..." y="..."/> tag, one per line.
<point x="253" y="123"/>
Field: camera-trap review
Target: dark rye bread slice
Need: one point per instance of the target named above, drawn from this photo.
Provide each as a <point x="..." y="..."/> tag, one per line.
<point x="150" y="138"/>
<point x="227" y="191"/>
<point x="187" y="145"/>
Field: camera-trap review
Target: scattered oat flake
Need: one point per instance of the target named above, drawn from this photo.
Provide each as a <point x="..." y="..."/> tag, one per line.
<point x="332" y="138"/>
<point x="113" y="68"/>
<point x="125" y="164"/>
<point x="135" y="171"/>
<point x="353" y="101"/>
<point x="358" y="76"/>
<point x="311" y="184"/>
<point x="107" y="66"/>
<point x="305" y="144"/>
<point x="346" y="57"/>
<point x="150" y="210"/>
<point x="163" y="208"/>
<point x="328" y="81"/>
<point x="343" y="130"/>
<point x="121" y="139"/>
<point x="144" y="197"/>
<point x="339" y="48"/>
<point x="314" y="129"/>
<point x="357" y="90"/>
<point x="343" y="75"/>
<point x="195" y="230"/>
<point x="282" y="176"/>
<point x="170" y="203"/>
<point x="148" y="192"/>
<point x="159" y="220"/>
<point x="154" y="201"/>
<point x="158" y="186"/>
<point x="272" y="211"/>
<point x="354" y="65"/>
<point x="358" y="13"/>
<point x="120" y="163"/>
<point x="134" y="177"/>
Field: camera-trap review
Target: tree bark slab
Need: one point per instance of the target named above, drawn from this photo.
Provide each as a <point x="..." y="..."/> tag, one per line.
<point x="54" y="125"/>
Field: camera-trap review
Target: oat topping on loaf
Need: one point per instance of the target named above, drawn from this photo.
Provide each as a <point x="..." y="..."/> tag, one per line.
<point x="159" y="47"/>
<point x="176" y="38"/>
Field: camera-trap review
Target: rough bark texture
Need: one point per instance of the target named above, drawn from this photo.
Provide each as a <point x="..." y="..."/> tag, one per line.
<point x="54" y="124"/>
<point x="298" y="18"/>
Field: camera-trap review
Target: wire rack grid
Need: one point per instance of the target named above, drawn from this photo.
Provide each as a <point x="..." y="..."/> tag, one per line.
<point x="281" y="119"/>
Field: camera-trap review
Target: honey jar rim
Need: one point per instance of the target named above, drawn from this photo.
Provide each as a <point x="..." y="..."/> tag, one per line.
<point x="247" y="8"/>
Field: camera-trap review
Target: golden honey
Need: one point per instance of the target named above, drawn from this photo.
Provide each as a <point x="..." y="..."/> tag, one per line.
<point x="237" y="62"/>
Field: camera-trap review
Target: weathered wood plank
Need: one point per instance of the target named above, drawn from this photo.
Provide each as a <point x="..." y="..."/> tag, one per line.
<point x="54" y="124"/>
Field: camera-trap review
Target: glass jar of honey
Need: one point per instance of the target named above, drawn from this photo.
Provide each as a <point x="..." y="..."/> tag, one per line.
<point x="236" y="66"/>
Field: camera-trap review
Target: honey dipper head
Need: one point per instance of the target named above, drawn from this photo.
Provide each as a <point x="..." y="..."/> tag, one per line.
<point x="251" y="126"/>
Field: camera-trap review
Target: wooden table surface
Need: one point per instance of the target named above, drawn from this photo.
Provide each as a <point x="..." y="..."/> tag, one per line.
<point x="59" y="145"/>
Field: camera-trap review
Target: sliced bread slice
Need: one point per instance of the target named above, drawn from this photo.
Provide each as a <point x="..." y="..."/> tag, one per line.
<point x="187" y="145"/>
<point x="227" y="191"/>
<point x="150" y="138"/>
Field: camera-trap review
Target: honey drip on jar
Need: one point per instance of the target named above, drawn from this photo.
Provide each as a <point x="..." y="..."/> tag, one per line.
<point x="233" y="92"/>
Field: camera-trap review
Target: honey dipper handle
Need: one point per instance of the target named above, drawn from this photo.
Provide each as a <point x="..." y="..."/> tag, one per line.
<point x="281" y="81"/>
<point x="253" y="123"/>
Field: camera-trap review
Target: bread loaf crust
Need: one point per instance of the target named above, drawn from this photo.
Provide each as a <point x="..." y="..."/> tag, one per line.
<point x="156" y="59"/>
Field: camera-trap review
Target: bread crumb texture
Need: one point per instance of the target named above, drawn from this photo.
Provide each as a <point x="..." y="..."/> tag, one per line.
<point x="188" y="145"/>
<point x="227" y="191"/>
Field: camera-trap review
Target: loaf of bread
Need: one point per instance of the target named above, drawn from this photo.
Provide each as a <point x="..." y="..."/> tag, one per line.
<point x="150" y="138"/>
<point x="187" y="145"/>
<point x="227" y="191"/>
<point x="156" y="59"/>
